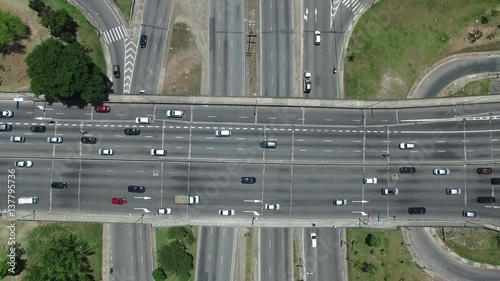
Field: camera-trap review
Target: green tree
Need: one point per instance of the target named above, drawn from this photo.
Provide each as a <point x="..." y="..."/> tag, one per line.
<point x="12" y="30"/>
<point x="37" y="6"/>
<point x="367" y="267"/>
<point x="63" y="258"/>
<point x="19" y="265"/>
<point x="372" y="240"/>
<point x="62" y="25"/>
<point x="65" y="73"/>
<point x="175" y="259"/>
<point x="159" y="274"/>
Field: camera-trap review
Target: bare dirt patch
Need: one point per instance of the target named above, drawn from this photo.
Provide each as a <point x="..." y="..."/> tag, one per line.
<point x="186" y="67"/>
<point x="13" y="72"/>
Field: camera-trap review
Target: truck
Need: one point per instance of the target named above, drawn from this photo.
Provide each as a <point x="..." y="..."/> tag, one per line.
<point x="186" y="199"/>
<point x="27" y="200"/>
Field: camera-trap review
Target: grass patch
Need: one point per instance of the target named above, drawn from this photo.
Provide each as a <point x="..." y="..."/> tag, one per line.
<point x="124" y="6"/>
<point x="87" y="35"/>
<point x="182" y="38"/>
<point x="395" y="41"/>
<point x="249" y="258"/>
<point x="296" y="268"/>
<point x="88" y="232"/>
<point x="163" y="238"/>
<point x="475" y="88"/>
<point x="475" y="244"/>
<point x="391" y="259"/>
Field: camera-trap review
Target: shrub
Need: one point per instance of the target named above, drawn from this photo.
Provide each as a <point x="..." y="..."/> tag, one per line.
<point x="372" y="240"/>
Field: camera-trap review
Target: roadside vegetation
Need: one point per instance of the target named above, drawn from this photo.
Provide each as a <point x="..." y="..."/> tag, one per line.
<point x="475" y="244"/>
<point x="380" y="255"/>
<point x="250" y="254"/>
<point x="184" y="66"/>
<point x="58" y="251"/>
<point x="474" y="88"/>
<point x="176" y="253"/>
<point x="395" y="42"/>
<point x="124" y="6"/>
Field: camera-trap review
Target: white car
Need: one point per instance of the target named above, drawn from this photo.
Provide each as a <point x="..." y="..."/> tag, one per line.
<point x="175" y="113"/>
<point x="17" y="139"/>
<point x="222" y="133"/>
<point x="7" y="114"/>
<point x="158" y="152"/>
<point x="469" y="214"/>
<point x="24" y="163"/>
<point x="164" y="211"/>
<point x="314" y="239"/>
<point x="453" y="191"/>
<point x="390" y="191"/>
<point x="143" y="120"/>
<point x="339" y="202"/>
<point x="229" y="212"/>
<point x="54" y="140"/>
<point x="370" y="180"/>
<point x="404" y="145"/>
<point x="441" y="172"/>
<point x="317" y="37"/>
<point x="272" y="206"/>
<point x="106" y="152"/>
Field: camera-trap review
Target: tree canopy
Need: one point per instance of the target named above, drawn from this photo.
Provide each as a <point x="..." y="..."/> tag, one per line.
<point x="62" y="258"/>
<point x="175" y="259"/>
<point x="65" y="73"/>
<point x="12" y="30"/>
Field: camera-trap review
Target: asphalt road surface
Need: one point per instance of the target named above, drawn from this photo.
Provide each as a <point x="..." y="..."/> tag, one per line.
<point x="114" y="34"/>
<point x="149" y="60"/>
<point x="227" y="38"/>
<point x="130" y="252"/>
<point x="441" y="263"/>
<point x="314" y="156"/>
<point x="276" y="48"/>
<point x="324" y="262"/>
<point x="276" y="254"/>
<point x="216" y="254"/>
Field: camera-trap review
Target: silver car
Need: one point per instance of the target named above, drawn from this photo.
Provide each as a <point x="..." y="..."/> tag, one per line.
<point x="7" y="114"/>
<point x="390" y="191"/>
<point x="339" y="202"/>
<point x="441" y="172"/>
<point x="143" y="120"/>
<point x="272" y="206"/>
<point x="175" y="113"/>
<point x="106" y="152"/>
<point x="17" y="139"/>
<point x="229" y="212"/>
<point x="222" y="133"/>
<point x="158" y="152"/>
<point x="24" y="164"/>
<point x="453" y="191"/>
<point x="54" y="140"/>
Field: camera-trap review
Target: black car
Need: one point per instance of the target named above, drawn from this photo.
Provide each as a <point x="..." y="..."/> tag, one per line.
<point x="407" y="170"/>
<point x="495" y="180"/>
<point x="132" y="132"/>
<point x="144" y="41"/>
<point x="59" y="185"/>
<point x="5" y="127"/>
<point x="416" y="210"/>
<point x="248" y="180"/>
<point x="486" y="200"/>
<point x="136" y="188"/>
<point x="89" y="140"/>
<point x="116" y="71"/>
<point x="38" y="129"/>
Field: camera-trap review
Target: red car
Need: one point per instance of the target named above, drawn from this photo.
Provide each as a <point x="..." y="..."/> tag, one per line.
<point x="119" y="201"/>
<point x="103" y="108"/>
<point x="484" y="171"/>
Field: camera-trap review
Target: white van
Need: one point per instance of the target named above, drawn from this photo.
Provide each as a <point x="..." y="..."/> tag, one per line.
<point x="27" y="200"/>
<point x="314" y="239"/>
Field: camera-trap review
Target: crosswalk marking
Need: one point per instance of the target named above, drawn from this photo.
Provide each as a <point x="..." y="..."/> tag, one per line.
<point x="114" y="34"/>
<point x="353" y="5"/>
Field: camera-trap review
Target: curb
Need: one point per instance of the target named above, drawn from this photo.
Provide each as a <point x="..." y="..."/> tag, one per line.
<point x="455" y="256"/>
<point x="415" y="257"/>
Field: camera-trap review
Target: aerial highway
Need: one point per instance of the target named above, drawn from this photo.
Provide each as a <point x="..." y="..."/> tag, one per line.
<point x="318" y="152"/>
<point x="130" y="252"/>
<point x="149" y="56"/>
<point x="114" y="33"/>
<point x="226" y="48"/>
<point x="276" y="48"/>
<point x="276" y="254"/>
<point x="216" y="254"/>
<point x="325" y="260"/>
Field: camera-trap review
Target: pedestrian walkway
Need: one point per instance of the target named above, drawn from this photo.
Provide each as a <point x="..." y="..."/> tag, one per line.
<point x="114" y="34"/>
<point x="352" y="5"/>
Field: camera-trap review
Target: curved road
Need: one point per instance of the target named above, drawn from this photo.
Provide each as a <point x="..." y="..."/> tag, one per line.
<point x="441" y="263"/>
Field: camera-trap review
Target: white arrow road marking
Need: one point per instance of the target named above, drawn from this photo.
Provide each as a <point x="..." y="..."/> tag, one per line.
<point x="144" y="209"/>
<point x="144" y="197"/>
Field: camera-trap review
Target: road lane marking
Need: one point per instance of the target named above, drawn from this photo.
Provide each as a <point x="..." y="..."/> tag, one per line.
<point x="441" y="151"/>
<point x="329" y="120"/>
<point x="356" y="141"/>
<point x="110" y="171"/>
<point x="118" y="136"/>
<point x="357" y="151"/>
<point x="212" y="116"/>
<point x="301" y="140"/>
<point x="210" y="138"/>
<point x="209" y="148"/>
<point x="240" y="138"/>
<point x="178" y="147"/>
<point x="179" y="137"/>
<point x="148" y="136"/>
<point x="328" y="150"/>
<point x="328" y="140"/>
<point x="242" y="117"/>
